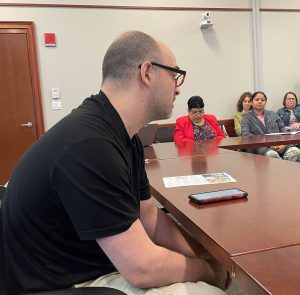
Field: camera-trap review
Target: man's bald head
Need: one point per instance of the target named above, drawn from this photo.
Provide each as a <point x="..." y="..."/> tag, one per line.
<point x="126" y="53"/>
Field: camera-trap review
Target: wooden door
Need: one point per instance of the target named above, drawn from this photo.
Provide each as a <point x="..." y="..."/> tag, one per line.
<point x="21" y="120"/>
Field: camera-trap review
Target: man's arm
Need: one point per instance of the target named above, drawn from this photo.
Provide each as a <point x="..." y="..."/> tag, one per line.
<point x="163" y="231"/>
<point x="144" y="264"/>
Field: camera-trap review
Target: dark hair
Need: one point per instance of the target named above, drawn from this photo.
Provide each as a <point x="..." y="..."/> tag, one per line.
<point x="258" y="92"/>
<point x="285" y="96"/>
<point x="195" y="102"/>
<point x="126" y="53"/>
<point x="239" y="104"/>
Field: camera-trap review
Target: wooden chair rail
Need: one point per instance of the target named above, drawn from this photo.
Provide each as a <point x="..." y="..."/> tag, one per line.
<point x="229" y="126"/>
<point x="165" y="131"/>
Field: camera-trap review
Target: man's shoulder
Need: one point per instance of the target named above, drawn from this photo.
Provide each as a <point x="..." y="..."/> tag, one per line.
<point x="94" y="116"/>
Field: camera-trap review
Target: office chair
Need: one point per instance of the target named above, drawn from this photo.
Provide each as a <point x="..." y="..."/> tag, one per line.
<point x="70" y="291"/>
<point x="165" y="133"/>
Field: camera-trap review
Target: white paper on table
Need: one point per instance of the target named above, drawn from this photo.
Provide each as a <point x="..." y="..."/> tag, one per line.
<point x="279" y="133"/>
<point x="200" y="179"/>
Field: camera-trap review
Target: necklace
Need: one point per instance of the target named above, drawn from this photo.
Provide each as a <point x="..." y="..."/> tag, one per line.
<point x="260" y="115"/>
<point x="199" y="123"/>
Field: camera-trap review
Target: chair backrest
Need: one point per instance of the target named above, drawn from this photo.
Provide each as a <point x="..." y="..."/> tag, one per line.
<point x="228" y="125"/>
<point x="165" y="132"/>
<point x="147" y="134"/>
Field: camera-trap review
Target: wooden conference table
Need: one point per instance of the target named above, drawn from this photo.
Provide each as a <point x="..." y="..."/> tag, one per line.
<point x="244" y="142"/>
<point x="169" y="150"/>
<point x="278" y="269"/>
<point x="268" y="219"/>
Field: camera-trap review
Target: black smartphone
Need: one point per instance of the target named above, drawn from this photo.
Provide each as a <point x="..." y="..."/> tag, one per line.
<point x="216" y="196"/>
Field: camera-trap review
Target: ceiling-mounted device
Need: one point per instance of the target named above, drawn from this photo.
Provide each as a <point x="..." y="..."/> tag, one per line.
<point x="206" y="22"/>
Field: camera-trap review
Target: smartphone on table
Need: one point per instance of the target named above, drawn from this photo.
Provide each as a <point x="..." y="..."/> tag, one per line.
<point x="216" y="196"/>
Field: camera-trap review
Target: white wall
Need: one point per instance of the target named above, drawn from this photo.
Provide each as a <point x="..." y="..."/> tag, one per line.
<point x="280" y="55"/>
<point x="219" y="61"/>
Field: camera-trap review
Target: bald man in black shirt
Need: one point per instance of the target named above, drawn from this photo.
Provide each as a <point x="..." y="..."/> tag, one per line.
<point x="78" y="210"/>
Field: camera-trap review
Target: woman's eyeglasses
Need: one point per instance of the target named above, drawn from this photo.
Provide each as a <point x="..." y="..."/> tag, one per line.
<point x="194" y="112"/>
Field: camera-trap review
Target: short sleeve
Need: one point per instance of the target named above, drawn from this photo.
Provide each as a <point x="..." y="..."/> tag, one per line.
<point x="94" y="181"/>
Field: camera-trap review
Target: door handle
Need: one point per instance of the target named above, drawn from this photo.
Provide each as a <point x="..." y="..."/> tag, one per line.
<point x="28" y="124"/>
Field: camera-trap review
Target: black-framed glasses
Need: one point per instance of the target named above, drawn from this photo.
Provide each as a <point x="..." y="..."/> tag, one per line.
<point x="179" y="78"/>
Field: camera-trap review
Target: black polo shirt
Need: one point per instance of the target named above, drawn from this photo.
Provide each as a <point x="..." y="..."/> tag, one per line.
<point x="81" y="181"/>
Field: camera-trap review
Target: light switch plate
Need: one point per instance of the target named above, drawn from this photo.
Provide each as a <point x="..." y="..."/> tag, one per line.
<point x="55" y="93"/>
<point x="56" y="104"/>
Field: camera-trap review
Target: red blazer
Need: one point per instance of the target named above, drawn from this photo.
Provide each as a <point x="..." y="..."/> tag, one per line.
<point x="184" y="128"/>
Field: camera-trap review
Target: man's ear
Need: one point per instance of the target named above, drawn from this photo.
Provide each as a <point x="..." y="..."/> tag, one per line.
<point x="145" y="72"/>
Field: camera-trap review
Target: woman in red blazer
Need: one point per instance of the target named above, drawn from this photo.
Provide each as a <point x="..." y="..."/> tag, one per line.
<point x="197" y="126"/>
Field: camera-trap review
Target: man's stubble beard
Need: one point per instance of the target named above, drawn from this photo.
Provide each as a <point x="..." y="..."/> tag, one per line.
<point x="159" y="109"/>
<point x="160" y="112"/>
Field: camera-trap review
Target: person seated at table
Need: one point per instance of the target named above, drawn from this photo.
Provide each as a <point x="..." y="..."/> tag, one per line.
<point x="197" y="126"/>
<point x="261" y="121"/>
<point x="290" y="113"/>
<point x="243" y="105"/>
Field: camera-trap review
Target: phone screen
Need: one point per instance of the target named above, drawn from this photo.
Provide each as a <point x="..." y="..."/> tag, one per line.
<point x="218" y="195"/>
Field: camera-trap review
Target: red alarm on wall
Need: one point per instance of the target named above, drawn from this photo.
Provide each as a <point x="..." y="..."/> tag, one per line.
<point x="49" y="39"/>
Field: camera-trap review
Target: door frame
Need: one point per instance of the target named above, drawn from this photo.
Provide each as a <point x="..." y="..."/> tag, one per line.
<point x="28" y="26"/>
